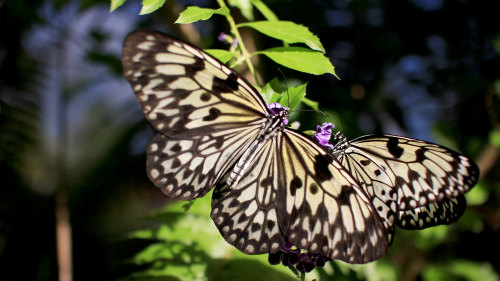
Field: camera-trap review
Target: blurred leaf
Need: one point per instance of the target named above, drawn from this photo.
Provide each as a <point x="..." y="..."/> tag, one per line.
<point x="477" y="195"/>
<point x="460" y="270"/>
<point x="264" y="10"/>
<point x="222" y="55"/>
<point x="244" y="6"/>
<point x="300" y="59"/>
<point x="194" y="14"/>
<point x="287" y="31"/>
<point x="312" y="104"/>
<point x="149" y="6"/>
<point x="494" y="138"/>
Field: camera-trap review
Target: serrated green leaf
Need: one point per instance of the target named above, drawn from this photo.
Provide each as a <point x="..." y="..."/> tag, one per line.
<point x="300" y="59"/>
<point x="222" y="55"/>
<point x="193" y="14"/>
<point x="272" y="91"/>
<point x="244" y="6"/>
<point x="264" y="10"/>
<point x="287" y="31"/>
<point x="115" y="4"/>
<point x="149" y="6"/>
<point x="293" y="96"/>
<point x="312" y="104"/>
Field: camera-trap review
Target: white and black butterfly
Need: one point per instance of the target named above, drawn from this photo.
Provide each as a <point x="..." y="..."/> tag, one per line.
<point x="412" y="183"/>
<point x="274" y="184"/>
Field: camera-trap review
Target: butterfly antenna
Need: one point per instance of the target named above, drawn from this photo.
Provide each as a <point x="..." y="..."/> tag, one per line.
<point x="286" y="87"/>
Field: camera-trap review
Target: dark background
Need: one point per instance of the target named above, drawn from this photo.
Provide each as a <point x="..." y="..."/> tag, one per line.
<point x="72" y="136"/>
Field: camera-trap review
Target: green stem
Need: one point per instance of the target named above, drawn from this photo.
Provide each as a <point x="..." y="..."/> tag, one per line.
<point x="244" y="51"/>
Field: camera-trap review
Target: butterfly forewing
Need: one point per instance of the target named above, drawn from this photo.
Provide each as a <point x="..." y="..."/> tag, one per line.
<point x="184" y="91"/>
<point x="422" y="172"/>
<point x="322" y="208"/>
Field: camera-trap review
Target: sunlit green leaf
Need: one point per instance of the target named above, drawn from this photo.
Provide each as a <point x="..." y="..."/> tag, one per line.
<point x="222" y="55"/>
<point x="293" y="96"/>
<point x="287" y="31"/>
<point x="300" y="59"/>
<point x="312" y="104"/>
<point x="271" y="92"/>
<point x="193" y="14"/>
<point x="264" y="10"/>
<point x="244" y="6"/>
<point x="115" y="4"/>
<point x="149" y="6"/>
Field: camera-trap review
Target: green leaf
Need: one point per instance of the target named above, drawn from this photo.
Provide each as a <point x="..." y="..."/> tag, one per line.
<point x="222" y="55"/>
<point x="271" y="91"/>
<point x="312" y="104"/>
<point x="193" y="14"/>
<point x="264" y="10"/>
<point x="115" y="4"/>
<point x="287" y="31"/>
<point x="244" y="6"/>
<point x="149" y="6"/>
<point x="300" y="59"/>
<point x="293" y="96"/>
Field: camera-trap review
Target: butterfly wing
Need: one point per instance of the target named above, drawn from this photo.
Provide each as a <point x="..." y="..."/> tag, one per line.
<point x="422" y="172"/>
<point x="246" y="213"/>
<point x="321" y="208"/>
<point x="293" y="192"/>
<point x="206" y="113"/>
<point x="375" y="182"/>
<point x="446" y="211"/>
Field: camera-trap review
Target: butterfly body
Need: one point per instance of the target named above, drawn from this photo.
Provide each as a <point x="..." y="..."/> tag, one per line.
<point x="272" y="184"/>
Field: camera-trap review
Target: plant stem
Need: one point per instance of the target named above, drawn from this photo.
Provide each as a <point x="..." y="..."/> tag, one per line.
<point x="244" y="51"/>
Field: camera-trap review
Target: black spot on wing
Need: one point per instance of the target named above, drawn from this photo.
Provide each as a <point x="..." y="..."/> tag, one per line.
<point x="229" y="84"/>
<point x="205" y="97"/>
<point x="176" y="148"/>
<point x="213" y="113"/>
<point x="295" y="184"/>
<point x="420" y="153"/>
<point x="321" y="170"/>
<point x="365" y="162"/>
<point x="313" y="188"/>
<point x="344" y="195"/>
<point x="394" y="148"/>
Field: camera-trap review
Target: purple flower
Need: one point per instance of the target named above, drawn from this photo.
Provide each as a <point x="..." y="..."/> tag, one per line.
<point x="291" y="256"/>
<point x="323" y="135"/>
<point x="276" y="109"/>
<point x="222" y="37"/>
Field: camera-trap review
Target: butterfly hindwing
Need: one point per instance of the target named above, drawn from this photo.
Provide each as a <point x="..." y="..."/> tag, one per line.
<point x="187" y="168"/>
<point x="446" y="211"/>
<point x="246" y="213"/>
